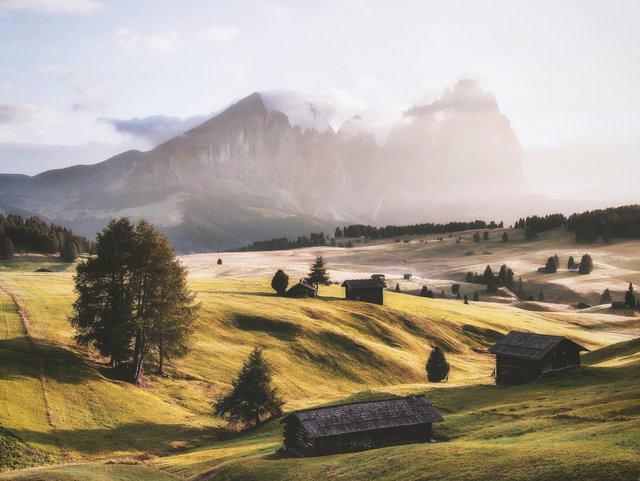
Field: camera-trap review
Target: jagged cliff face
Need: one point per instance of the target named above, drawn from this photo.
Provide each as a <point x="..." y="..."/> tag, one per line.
<point x="249" y="174"/>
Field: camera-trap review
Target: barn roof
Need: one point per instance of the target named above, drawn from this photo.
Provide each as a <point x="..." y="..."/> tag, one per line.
<point x="364" y="283"/>
<point x="304" y="284"/>
<point x="529" y="345"/>
<point x="367" y="416"/>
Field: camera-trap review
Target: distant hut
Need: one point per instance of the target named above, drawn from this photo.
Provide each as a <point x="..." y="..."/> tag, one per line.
<point x="522" y="357"/>
<point x="302" y="289"/>
<point x="618" y="305"/>
<point x="378" y="277"/>
<point x="359" y="426"/>
<point x="365" y="290"/>
<point x="407" y="276"/>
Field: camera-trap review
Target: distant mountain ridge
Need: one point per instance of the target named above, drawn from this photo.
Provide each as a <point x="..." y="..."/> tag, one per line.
<point x="249" y="174"/>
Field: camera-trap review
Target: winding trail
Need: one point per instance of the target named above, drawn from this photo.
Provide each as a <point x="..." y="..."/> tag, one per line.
<point x="24" y="316"/>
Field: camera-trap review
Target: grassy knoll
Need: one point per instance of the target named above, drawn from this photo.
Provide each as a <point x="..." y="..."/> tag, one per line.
<point x="579" y="425"/>
<point x="61" y="401"/>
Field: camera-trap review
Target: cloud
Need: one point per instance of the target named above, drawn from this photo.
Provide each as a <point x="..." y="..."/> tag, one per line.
<point x="156" y="128"/>
<point x="129" y="40"/>
<point x="31" y="124"/>
<point x="171" y="42"/>
<point x="329" y="109"/>
<point x="467" y="95"/>
<point x="218" y="34"/>
<point x="83" y="7"/>
<point x="90" y="90"/>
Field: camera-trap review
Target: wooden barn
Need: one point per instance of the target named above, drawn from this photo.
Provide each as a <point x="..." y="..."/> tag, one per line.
<point x="365" y="290"/>
<point x="301" y="290"/>
<point x="522" y="357"/>
<point x="359" y="426"/>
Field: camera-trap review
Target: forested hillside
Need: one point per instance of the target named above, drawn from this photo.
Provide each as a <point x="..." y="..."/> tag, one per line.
<point x="35" y="235"/>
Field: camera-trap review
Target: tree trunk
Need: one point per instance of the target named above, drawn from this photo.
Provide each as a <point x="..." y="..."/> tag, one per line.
<point x="161" y="353"/>
<point x="138" y="356"/>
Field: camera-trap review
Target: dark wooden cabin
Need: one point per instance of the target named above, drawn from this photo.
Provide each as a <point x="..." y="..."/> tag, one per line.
<point x="522" y="357"/>
<point x="359" y="426"/>
<point x="301" y="290"/>
<point x="365" y="290"/>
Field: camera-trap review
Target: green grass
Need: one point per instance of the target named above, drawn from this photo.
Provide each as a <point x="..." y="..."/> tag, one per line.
<point x="91" y="472"/>
<point x="325" y="350"/>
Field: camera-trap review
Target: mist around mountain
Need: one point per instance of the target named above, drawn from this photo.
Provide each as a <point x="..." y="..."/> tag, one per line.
<point x="280" y="164"/>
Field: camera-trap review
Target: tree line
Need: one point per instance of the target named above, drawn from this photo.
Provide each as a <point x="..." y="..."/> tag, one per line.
<point x="622" y="222"/>
<point x="366" y="231"/>
<point x="35" y="235"/>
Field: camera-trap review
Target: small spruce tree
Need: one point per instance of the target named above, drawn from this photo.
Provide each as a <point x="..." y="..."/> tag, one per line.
<point x="605" y="298"/>
<point x="466" y="299"/>
<point x="476" y="298"/>
<point x="397" y="289"/>
<point x="219" y="261"/>
<point x="586" y="264"/>
<point x="437" y="366"/>
<point x="541" y="296"/>
<point x="318" y="273"/>
<point x="252" y="399"/>
<point x="571" y="263"/>
<point x="505" y="237"/>
<point x="630" y="298"/>
<point x="485" y="235"/>
<point x="280" y="282"/>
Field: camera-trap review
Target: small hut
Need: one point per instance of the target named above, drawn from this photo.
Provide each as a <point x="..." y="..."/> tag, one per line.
<point x="365" y="290"/>
<point x="407" y="276"/>
<point x="522" y="357"/>
<point x="302" y="289"/>
<point x="359" y="426"/>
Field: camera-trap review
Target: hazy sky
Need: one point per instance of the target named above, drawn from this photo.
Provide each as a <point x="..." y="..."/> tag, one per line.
<point x="74" y="72"/>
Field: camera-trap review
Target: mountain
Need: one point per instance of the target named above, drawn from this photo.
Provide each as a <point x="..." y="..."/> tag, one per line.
<point x="252" y="172"/>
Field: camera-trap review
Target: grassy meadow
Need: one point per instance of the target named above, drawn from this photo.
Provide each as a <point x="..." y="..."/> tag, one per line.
<point x="58" y="404"/>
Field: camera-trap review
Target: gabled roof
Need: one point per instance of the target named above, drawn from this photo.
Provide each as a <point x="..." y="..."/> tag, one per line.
<point x="304" y="284"/>
<point x="363" y="283"/>
<point x="367" y="416"/>
<point x="528" y="345"/>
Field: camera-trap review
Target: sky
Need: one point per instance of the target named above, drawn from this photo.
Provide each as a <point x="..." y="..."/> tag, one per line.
<point x="81" y="80"/>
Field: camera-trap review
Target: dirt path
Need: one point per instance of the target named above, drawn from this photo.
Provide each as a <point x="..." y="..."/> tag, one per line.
<point x="24" y="315"/>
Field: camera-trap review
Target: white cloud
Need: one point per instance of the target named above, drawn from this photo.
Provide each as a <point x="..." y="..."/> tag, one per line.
<point x="51" y="6"/>
<point x="218" y="34"/>
<point x="90" y="89"/>
<point x="158" y="43"/>
<point x="37" y="125"/>
<point x="171" y="42"/>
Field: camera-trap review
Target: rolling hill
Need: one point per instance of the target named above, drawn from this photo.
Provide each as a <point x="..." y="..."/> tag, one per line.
<point x="60" y="404"/>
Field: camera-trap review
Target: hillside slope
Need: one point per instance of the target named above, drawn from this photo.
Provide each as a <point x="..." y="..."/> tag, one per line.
<point x="59" y="400"/>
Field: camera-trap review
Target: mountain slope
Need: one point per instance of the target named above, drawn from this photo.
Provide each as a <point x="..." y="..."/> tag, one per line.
<point x="251" y="165"/>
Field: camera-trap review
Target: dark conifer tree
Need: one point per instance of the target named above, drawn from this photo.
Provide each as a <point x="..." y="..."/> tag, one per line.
<point x="630" y="298"/>
<point x="605" y="298"/>
<point x="466" y="299"/>
<point x="550" y="267"/>
<point x="70" y="252"/>
<point x="475" y="296"/>
<point x="488" y="276"/>
<point x="541" y="296"/>
<point x="485" y="235"/>
<point x="7" y="249"/>
<point x="437" y="366"/>
<point x="280" y="282"/>
<point x="397" y="289"/>
<point x="318" y="273"/>
<point x="586" y="264"/>
<point x="252" y="398"/>
<point x="571" y="263"/>
<point x="219" y="262"/>
<point x="505" y="237"/>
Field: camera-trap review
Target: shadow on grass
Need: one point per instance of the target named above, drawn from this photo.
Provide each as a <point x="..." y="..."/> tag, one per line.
<point x="160" y="439"/>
